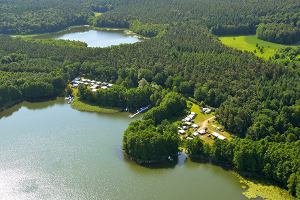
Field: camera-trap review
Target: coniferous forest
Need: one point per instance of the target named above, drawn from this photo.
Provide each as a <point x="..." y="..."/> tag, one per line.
<point x="256" y="100"/>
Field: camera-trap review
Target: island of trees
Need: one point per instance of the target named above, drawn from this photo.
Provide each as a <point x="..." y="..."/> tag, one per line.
<point x="256" y="100"/>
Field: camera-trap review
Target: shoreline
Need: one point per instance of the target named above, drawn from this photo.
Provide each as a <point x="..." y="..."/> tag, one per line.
<point x="82" y="106"/>
<point x="127" y="32"/>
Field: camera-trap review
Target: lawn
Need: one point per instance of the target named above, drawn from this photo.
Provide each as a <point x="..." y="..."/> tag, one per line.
<point x="89" y="107"/>
<point x="248" y="43"/>
<point x="97" y="14"/>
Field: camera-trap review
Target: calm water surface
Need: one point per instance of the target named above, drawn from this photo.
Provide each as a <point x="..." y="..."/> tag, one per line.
<point x="93" y="37"/>
<point x="50" y="151"/>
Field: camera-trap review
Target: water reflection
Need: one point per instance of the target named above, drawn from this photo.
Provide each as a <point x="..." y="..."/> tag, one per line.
<point x="36" y="104"/>
<point x="93" y="37"/>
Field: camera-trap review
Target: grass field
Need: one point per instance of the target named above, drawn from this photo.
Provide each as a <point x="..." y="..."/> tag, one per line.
<point x="89" y="107"/>
<point x="97" y="14"/>
<point x="248" y="43"/>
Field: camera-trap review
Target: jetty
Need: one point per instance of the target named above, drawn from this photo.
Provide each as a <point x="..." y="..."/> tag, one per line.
<point x="143" y="109"/>
<point x="70" y="99"/>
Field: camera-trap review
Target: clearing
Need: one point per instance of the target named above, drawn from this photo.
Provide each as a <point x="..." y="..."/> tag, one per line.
<point x="248" y="43"/>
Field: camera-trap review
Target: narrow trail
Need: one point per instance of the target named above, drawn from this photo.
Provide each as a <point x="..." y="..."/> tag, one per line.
<point x="205" y="123"/>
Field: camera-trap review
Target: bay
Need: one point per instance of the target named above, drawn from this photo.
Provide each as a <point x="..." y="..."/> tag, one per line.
<point x="51" y="151"/>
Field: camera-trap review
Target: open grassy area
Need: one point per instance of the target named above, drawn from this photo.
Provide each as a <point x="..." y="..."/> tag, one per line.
<point x="89" y="107"/>
<point x="248" y="43"/>
<point x="97" y="14"/>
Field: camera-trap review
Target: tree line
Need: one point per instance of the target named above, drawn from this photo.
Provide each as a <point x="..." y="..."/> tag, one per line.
<point x="144" y="143"/>
<point x="277" y="161"/>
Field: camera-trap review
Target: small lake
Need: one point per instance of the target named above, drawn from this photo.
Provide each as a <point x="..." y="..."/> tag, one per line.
<point x="51" y="151"/>
<point x="93" y="37"/>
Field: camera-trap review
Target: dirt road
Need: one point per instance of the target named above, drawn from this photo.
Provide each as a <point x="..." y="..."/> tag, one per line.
<point x="204" y="124"/>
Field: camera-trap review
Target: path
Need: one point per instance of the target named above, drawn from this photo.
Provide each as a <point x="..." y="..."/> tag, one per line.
<point x="205" y="123"/>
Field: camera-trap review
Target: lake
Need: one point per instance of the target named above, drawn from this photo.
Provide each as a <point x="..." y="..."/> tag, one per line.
<point x="93" y="37"/>
<point x="51" y="151"/>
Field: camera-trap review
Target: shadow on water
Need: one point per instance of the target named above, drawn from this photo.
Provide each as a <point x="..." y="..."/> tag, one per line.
<point x="209" y="161"/>
<point x="36" y="104"/>
<point x="78" y="29"/>
<point x="167" y="164"/>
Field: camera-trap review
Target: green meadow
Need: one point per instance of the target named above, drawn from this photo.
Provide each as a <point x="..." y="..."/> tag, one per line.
<point x="248" y="43"/>
<point x="89" y="107"/>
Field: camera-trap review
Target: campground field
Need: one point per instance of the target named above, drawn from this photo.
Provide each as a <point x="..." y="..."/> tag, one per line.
<point x="205" y="121"/>
<point x="248" y="43"/>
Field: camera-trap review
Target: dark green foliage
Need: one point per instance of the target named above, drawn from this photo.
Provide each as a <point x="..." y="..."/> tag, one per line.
<point x="278" y="33"/>
<point x="143" y="143"/>
<point x="147" y="30"/>
<point x="196" y="148"/>
<point x="118" y="96"/>
<point x="172" y="105"/>
<point x="278" y="161"/>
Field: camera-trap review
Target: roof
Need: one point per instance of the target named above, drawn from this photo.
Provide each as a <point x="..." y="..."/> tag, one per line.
<point x="201" y="131"/>
<point x="204" y="109"/>
<point x="195" y="126"/>
<point x="195" y="134"/>
<point x="215" y="134"/>
<point x="221" y="137"/>
<point x="188" y="119"/>
<point x="191" y="116"/>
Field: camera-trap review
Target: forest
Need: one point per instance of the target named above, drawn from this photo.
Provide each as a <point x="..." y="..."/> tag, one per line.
<point x="256" y="100"/>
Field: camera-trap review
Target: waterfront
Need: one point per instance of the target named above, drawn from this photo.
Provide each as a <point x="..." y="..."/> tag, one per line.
<point x="94" y="37"/>
<point x="51" y="151"/>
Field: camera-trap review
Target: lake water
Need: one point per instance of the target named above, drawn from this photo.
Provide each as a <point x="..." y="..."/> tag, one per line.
<point x="50" y="151"/>
<point x="93" y="37"/>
